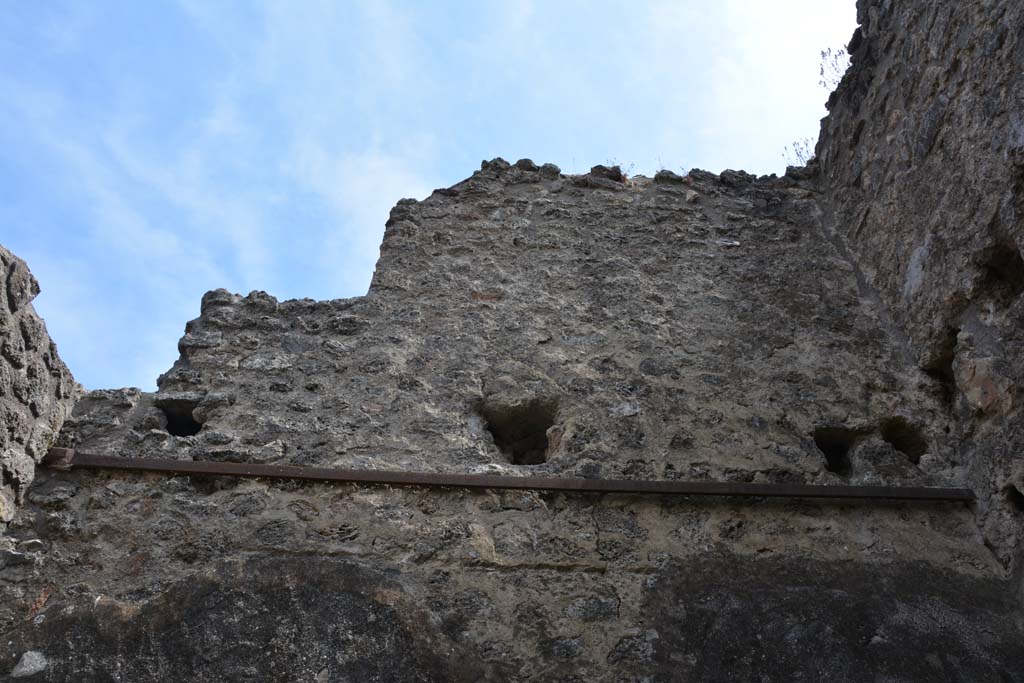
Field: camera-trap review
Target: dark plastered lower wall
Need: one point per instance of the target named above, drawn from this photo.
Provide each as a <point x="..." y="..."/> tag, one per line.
<point x="316" y="618"/>
<point x="922" y="163"/>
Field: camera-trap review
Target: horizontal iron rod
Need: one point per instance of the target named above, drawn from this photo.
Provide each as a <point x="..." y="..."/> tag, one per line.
<point x="70" y="458"/>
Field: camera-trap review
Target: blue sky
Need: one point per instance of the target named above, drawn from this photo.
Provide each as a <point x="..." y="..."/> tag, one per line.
<point x="156" y="150"/>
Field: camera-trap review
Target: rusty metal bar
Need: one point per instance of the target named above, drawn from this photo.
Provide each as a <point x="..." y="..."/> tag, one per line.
<point x="66" y="458"/>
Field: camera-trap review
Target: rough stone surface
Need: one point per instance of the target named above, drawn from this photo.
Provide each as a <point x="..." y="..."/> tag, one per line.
<point x="152" y="576"/>
<point x="922" y="159"/>
<point x="31" y="663"/>
<point x="726" y="328"/>
<point x="36" y="389"/>
<point x="640" y="335"/>
<point x="632" y="333"/>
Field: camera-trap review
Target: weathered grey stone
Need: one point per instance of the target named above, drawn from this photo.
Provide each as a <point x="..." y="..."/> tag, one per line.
<point x="521" y="323"/>
<point x="919" y="159"/>
<point x="602" y="321"/>
<point x="31" y="663"/>
<point x="10" y="558"/>
<point x="36" y="389"/>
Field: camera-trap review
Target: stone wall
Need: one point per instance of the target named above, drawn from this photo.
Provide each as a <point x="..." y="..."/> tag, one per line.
<point x="520" y="322"/>
<point x="699" y="328"/>
<point x="36" y="389"/>
<point x="922" y="159"/>
<point x="851" y="322"/>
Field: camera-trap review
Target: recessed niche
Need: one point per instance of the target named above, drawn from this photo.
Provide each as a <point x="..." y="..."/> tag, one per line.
<point x="941" y="370"/>
<point x="520" y="430"/>
<point x="1014" y="498"/>
<point x="835" y="444"/>
<point x="1003" y="274"/>
<point x="180" y="421"/>
<point x="904" y="437"/>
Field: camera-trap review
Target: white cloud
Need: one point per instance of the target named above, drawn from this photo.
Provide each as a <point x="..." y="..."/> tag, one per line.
<point x="306" y="122"/>
<point x="766" y="82"/>
<point x="213" y="216"/>
<point x="330" y="100"/>
<point x="118" y="224"/>
<point x="91" y="295"/>
<point x="361" y="188"/>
